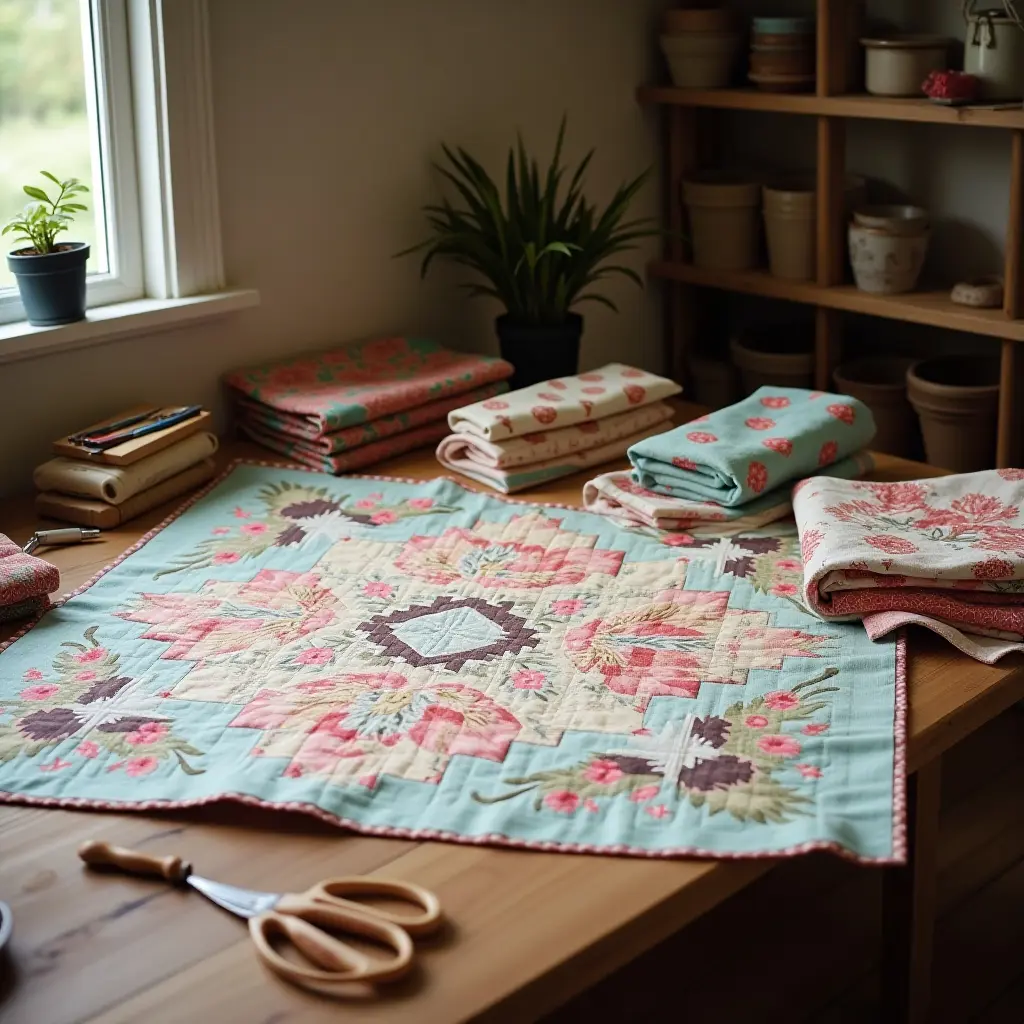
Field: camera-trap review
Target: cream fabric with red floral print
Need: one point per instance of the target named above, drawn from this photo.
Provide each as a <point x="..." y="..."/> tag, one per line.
<point x="562" y="402"/>
<point x="943" y="552"/>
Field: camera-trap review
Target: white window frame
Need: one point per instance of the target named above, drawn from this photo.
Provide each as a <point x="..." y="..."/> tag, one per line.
<point x="160" y="180"/>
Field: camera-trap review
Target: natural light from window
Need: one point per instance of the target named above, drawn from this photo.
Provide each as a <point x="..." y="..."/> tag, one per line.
<point x="48" y="114"/>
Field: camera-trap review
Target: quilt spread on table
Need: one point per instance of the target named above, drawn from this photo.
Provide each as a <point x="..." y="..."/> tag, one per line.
<point x="419" y="660"/>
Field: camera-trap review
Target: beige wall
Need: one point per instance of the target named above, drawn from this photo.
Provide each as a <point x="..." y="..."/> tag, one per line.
<point x="327" y="115"/>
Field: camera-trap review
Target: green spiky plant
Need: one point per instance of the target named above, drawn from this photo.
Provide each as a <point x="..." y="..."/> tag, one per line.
<point x="539" y="251"/>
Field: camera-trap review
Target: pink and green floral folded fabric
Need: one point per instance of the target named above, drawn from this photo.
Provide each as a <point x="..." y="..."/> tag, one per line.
<point x="563" y="402"/>
<point x="25" y="581"/>
<point x="365" y="380"/>
<point x="270" y="422"/>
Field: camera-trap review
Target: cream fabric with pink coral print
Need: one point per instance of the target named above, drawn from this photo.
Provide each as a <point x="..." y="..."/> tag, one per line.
<point x="949" y="550"/>
<point x="562" y="402"/>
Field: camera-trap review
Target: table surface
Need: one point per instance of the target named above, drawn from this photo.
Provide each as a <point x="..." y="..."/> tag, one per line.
<point x="527" y="930"/>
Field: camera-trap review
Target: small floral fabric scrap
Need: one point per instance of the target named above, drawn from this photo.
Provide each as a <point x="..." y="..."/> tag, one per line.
<point x="25" y="582"/>
<point x="297" y="429"/>
<point x="419" y="660"/>
<point x="527" y="461"/>
<point x="949" y="549"/>
<point x="365" y="380"/>
<point x="563" y="402"/>
<point x="749" y="449"/>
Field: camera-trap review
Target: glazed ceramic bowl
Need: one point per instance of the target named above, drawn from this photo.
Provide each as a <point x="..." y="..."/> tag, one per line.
<point x="886" y="264"/>
<point x="893" y="220"/>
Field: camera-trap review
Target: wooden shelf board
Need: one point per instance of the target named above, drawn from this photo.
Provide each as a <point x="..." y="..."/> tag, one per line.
<point x="853" y="106"/>
<point x="934" y="309"/>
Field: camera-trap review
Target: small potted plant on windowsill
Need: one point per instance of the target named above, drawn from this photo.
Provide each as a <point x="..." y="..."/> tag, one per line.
<point x="539" y="252"/>
<point x="50" y="274"/>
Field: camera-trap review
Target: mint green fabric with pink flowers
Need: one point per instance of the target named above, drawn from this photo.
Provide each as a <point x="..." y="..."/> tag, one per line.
<point x="420" y="660"/>
<point x="754" y="447"/>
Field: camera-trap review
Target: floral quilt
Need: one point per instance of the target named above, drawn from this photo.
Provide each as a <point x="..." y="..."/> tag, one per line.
<point x="420" y="660"/>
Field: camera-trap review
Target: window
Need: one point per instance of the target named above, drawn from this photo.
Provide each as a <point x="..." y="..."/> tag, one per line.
<point x="65" y="107"/>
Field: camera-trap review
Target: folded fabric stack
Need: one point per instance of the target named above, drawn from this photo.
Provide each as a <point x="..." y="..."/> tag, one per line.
<point x="350" y="407"/>
<point x="553" y="429"/>
<point x="26" y="582"/>
<point x="104" y="495"/>
<point x="945" y="553"/>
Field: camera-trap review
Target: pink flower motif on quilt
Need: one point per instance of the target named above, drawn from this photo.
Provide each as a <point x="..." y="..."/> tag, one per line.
<point x="558" y="385"/>
<point x="377" y="589"/>
<point x="240" y="513"/>
<point x="32" y="675"/>
<point x="293" y="771"/>
<point x="367" y="781"/>
<point x="148" y="732"/>
<point x="136" y="766"/>
<point x="842" y="412"/>
<point x="677" y="540"/>
<point x="788" y="565"/>
<point x="757" y="477"/>
<point x="900" y="497"/>
<point x="808" y="771"/>
<point x="544" y="414"/>
<point x="254" y="529"/>
<point x="1011" y="474"/>
<point x="548" y="397"/>
<point x="631" y="371"/>
<point x="890" y="544"/>
<point x="701" y="437"/>
<point x="591" y="805"/>
<point x="317" y="655"/>
<point x="827" y="454"/>
<point x="364" y="503"/>
<point x="643" y="793"/>
<point x="755" y="721"/>
<point x="383" y="517"/>
<point x="604" y="773"/>
<point x="421" y="504"/>
<point x="657" y="811"/>
<point x="1001" y="538"/>
<point x="87" y="749"/>
<point x="225" y="557"/>
<point x="775" y="402"/>
<point x="568" y="606"/>
<point x="495" y="404"/>
<point x="85" y="677"/>
<point x="681" y="463"/>
<point x="634" y="393"/>
<point x="816" y="394"/>
<point x="782" y="445"/>
<point x="593" y="390"/>
<point x="760" y="423"/>
<point x="993" y="569"/>
<point x="591" y="378"/>
<point x="93" y="654"/>
<point x="784" y="589"/>
<point x="55" y="765"/>
<point x="538" y="438"/>
<point x="528" y="679"/>
<point x="809" y="541"/>
<point x="779" y="746"/>
<point x="43" y="691"/>
<point x="781" y="700"/>
<point x="562" y="800"/>
<point x="815" y="728"/>
<point x="221" y="531"/>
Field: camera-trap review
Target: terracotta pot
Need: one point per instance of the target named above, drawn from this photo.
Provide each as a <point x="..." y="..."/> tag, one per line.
<point x="886" y="264"/>
<point x="881" y="384"/>
<point x="781" y="61"/>
<point x="790" y="217"/>
<point x="715" y="382"/>
<point x="701" y="60"/>
<point x="689" y="19"/>
<point x="723" y="220"/>
<point x="776" y="355"/>
<point x="957" y="399"/>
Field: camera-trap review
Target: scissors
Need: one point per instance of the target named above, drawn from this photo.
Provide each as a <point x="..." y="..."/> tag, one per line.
<point x="303" y="918"/>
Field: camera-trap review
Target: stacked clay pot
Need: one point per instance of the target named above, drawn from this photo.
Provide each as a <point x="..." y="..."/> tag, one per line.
<point x="782" y="54"/>
<point x="701" y="46"/>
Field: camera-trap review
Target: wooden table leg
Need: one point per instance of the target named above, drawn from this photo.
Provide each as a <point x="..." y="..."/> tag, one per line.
<point x="908" y="909"/>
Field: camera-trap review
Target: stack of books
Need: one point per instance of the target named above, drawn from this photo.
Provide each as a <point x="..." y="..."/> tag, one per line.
<point x="115" y="470"/>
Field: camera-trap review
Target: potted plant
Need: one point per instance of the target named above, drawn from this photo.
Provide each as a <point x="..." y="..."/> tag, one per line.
<point x="539" y="251"/>
<point x="50" y="274"/>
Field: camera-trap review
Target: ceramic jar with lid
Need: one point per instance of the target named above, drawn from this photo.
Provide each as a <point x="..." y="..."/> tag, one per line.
<point x="898" y="65"/>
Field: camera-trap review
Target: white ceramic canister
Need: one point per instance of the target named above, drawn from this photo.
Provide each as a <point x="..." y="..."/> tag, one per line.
<point x="898" y="65"/>
<point x="994" y="53"/>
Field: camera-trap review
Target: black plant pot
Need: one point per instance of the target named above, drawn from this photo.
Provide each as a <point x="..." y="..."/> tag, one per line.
<point x="540" y="351"/>
<point x="52" y="287"/>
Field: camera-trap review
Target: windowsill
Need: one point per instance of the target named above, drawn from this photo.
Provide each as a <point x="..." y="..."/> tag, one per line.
<point x="104" y="324"/>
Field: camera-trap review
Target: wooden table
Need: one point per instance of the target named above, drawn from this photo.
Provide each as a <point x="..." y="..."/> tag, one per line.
<point x="528" y="930"/>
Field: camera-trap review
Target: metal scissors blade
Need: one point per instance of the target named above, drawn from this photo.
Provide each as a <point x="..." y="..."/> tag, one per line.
<point x="245" y="903"/>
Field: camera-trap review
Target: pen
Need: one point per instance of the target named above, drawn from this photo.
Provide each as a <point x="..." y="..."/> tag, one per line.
<point x="101" y="444"/>
<point x="108" y="428"/>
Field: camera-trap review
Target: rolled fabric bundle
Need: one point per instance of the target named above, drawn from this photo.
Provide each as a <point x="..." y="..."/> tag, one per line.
<point x="271" y="421"/>
<point x="753" y="447"/>
<point x="116" y="484"/>
<point x="946" y="553"/>
<point x="620" y="497"/>
<point x="562" y="402"/>
<point x="26" y="582"/>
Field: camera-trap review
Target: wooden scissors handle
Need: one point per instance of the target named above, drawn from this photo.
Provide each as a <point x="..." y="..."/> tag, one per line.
<point x="336" y="963"/>
<point x="335" y="892"/>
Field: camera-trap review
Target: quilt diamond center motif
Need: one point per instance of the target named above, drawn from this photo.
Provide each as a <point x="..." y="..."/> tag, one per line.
<point x="453" y="631"/>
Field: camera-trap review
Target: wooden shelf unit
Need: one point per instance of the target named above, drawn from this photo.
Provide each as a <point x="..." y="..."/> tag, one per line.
<point x="832" y="105"/>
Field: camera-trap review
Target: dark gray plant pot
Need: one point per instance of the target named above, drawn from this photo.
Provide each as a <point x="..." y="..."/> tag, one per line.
<point x="540" y="351"/>
<point x="52" y="287"/>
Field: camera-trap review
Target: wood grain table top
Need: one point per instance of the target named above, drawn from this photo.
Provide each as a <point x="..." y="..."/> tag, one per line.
<point x="527" y="930"/>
